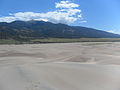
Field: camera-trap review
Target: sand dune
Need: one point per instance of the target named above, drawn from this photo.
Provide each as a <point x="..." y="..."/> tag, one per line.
<point x="68" y="66"/>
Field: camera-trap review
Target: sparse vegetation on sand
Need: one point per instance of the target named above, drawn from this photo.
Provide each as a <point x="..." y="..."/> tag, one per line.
<point x="65" y="40"/>
<point x="57" y="40"/>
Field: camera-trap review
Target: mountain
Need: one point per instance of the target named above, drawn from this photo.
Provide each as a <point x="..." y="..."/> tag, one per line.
<point x="41" y="29"/>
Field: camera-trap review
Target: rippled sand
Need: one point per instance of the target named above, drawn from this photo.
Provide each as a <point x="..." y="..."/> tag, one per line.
<point x="60" y="66"/>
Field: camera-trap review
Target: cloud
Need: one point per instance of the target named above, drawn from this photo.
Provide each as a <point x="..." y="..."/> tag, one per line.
<point x="66" y="4"/>
<point x="111" y="31"/>
<point x="83" y="21"/>
<point x="66" y="12"/>
<point x="114" y="31"/>
<point x="7" y="19"/>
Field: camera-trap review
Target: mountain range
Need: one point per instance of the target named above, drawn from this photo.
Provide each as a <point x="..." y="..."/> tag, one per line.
<point x="41" y="29"/>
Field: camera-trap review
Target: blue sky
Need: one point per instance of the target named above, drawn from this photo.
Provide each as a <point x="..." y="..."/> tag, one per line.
<point x="99" y="14"/>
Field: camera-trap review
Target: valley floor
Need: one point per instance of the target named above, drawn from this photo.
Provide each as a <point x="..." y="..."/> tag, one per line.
<point x="60" y="66"/>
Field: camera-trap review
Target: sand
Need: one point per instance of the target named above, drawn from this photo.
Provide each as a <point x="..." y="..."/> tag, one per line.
<point x="60" y="66"/>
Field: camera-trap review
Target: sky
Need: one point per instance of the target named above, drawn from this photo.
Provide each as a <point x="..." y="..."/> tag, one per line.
<point x="98" y="14"/>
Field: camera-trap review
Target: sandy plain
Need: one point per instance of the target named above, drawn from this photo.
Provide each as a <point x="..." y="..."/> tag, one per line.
<point x="60" y="66"/>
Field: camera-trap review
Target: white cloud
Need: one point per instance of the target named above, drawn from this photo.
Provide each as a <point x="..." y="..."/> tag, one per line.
<point x="114" y="31"/>
<point x="83" y="21"/>
<point x="7" y="19"/>
<point x="66" y="4"/>
<point x="111" y="31"/>
<point x="67" y="12"/>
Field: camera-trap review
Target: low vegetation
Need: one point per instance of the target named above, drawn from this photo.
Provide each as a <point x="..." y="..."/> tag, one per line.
<point x="57" y="40"/>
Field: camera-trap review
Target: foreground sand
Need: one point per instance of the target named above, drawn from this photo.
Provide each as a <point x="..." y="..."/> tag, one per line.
<point x="60" y="66"/>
